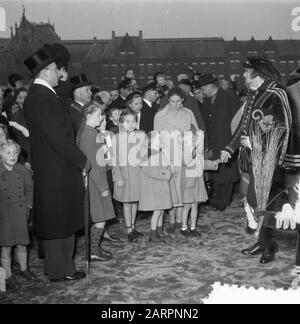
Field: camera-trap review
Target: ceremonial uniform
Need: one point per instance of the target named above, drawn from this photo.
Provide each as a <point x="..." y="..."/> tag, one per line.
<point x="268" y="104"/>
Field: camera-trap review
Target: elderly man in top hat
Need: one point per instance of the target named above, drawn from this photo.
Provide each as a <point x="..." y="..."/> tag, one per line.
<point x="82" y="93"/>
<point x="218" y="109"/>
<point x="58" y="164"/>
<point x="268" y="101"/>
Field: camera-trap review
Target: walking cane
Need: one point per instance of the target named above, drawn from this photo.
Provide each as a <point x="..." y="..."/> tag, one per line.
<point x="86" y="220"/>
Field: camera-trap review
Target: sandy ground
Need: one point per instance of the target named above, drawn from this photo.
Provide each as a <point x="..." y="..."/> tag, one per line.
<point x="178" y="272"/>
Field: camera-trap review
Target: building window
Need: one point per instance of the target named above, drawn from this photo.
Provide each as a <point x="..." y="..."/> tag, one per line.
<point x="105" y="69"/>
<point x="213" y="67"/>
<point x="222" y="67"/>
<point x="142" y="68"/>
<point x="234" y="65"/>
<point x="271" y="55"/>
<point x="203" y="67"/>
<point x="283" y="66"/>
<point x="114" y="82"/>
<point x="252" y="53"/>
<point x="235" y="55"/>
<point x="159" y="67"/>
<point x="150" y="67"/>
<point x="114" y="69"/>
<point x="292" y="66"/>
<point x="168" y="68"/>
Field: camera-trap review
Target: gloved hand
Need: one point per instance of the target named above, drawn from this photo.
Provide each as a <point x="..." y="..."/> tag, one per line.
<point x="286" y="218"/>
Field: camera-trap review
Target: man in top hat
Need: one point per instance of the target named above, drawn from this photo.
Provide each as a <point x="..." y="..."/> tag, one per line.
<point x="125" y="89"/>
<point x="218" y="109"/>
<point x="268" y="102"/>
<point x="15" y="82"/>
<point x="58" y="164"/>
<point x="82" y="93"/>
<point x="149" y="108"/>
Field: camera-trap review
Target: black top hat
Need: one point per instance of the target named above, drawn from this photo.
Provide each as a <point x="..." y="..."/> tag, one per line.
<point x="60" y="52"/>
<point x="13" y="78"/>
<point x="262" y="65"/>
<point x="152" y="86"/>
<point x="196" y="85"/>
<point x="206" y="79"/>
<point x="38" y="61"/>
<point x="80" y="81"/>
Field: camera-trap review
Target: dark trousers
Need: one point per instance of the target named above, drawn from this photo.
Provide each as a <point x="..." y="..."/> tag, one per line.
<point x="267" y="231"/>
<point x="222" y="195"/>
<point x="59" y="261"/>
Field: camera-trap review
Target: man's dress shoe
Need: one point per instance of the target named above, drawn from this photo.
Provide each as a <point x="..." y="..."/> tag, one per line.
<point x="76" y="276"/>
<point x="253" y="250"/>
<point x="268" y="255"/>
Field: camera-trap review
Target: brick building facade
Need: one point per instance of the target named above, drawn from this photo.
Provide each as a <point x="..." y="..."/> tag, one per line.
<point x="104" y="61"/>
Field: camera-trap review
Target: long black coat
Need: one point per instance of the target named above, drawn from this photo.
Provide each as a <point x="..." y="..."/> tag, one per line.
<point x="217" y="117"/>
<point x="147" y="117"/>
<point x="57" y="163"/>
<point x="76" y="116"/>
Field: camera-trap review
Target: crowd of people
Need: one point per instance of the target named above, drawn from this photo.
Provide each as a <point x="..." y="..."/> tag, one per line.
<point x="165" y="148"/>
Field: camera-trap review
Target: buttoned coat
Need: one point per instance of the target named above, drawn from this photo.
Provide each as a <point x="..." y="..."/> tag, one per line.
<point x="16" y="195"/>
<point x="128" y="150"/>
<point x="158" y="190"/>
<point x="101" y="208"/>
<point x="57" y="164"/>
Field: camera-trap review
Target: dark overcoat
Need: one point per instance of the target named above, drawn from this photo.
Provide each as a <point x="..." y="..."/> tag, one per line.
<point x="147" y="117"/>
<point x="57" y="163"/>
<point x="76" y="116"/>
<point x="217" y="117"/>
<point x="101" y="208"/>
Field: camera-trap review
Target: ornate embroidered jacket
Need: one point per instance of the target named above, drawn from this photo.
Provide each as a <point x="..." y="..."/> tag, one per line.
<point x="268" y="104"/>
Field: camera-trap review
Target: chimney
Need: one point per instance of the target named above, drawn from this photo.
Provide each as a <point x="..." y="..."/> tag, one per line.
<point x="113" y="34"/>
<point x="141" y="34"/>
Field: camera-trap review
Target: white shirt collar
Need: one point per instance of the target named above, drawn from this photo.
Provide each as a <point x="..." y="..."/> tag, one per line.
<point x="81" y="104"/>
<point x="148" y="103"/>
<point x="43" y="83"/>
<point x="256" y="83"/>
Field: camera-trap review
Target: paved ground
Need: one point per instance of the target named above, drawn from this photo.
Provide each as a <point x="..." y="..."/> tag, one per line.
<point x="177" y="272"/>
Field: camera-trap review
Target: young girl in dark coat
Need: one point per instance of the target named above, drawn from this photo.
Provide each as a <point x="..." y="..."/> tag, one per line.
<point x="16" y="195"/>
<point x="101" y="207"/>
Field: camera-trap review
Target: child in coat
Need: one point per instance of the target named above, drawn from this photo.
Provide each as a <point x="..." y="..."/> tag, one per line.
<point x="16" y="196"/>
<point x="158" y="191"/>
<point x="101" y="207"/>
<point x="129" y="146"/>
<point x="192" y="181"/>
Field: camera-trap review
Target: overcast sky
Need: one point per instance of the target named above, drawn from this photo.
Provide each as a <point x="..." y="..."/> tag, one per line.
<point x="75" y="19"/>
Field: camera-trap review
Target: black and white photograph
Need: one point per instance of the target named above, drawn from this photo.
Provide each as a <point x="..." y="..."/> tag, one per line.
<point x="149" y="154"/>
